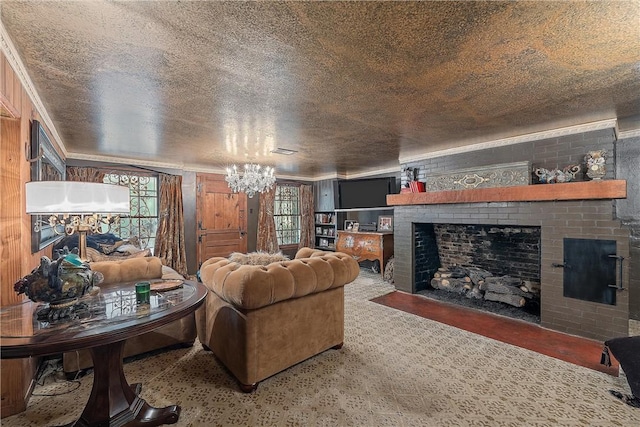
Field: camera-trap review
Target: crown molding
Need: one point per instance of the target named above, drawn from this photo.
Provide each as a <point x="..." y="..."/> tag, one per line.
<point x="11" y="53"/>
<point x="177" y="166"/>
<point x="634" y="133"/>
<point x="535" y="136"/>
<point x="124" y="161"/>
<point x="221" y="170"/>
<point x="391" y="170"/>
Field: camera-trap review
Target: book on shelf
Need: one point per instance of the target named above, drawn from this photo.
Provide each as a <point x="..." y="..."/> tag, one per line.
<point x="324" y="218"/>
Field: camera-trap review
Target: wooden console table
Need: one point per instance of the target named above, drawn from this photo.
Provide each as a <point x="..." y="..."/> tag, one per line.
<point x="366" y="246"/>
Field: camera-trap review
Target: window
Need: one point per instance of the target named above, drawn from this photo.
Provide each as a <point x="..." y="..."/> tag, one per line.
<point x="286" y="214"/>
<point x="142" y="221"/>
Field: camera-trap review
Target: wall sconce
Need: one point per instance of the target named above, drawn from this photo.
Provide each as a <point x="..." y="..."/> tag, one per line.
<point x="77" y="207"/>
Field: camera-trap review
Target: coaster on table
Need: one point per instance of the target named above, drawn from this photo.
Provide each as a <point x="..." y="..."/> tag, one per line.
<point x="161" y="285"/>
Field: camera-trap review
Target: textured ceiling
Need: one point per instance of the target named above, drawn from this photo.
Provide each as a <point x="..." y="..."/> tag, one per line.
<point x="353" y="86"/>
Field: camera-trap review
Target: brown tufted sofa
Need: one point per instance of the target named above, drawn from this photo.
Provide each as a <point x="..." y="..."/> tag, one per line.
<point x="260" y="320"/>
<point x="181" y="332"/>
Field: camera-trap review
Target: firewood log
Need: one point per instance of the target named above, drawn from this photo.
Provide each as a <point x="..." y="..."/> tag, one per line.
<point x="505" y="280"/>
<point x="531" y="286"/>
<point x="477" y="274"/>
<point x="514" y="300"/>
<point x="500" y="288"/>
<point x="527" y="294"/>
<point x="451" y="285"/>
<point x="458" y="272"/>
<point x="474" y="293"/>
<point x="455" y="285"/>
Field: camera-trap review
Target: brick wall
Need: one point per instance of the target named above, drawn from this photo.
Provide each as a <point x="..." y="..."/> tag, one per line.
<point x="501" y="250"/>
<point x="552" y="153"/>
<point x="587" y="219"/>
<point x="628" y="210"/>
<point x="426" y="255"/>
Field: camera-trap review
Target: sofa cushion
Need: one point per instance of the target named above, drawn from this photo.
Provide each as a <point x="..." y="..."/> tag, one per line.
<point x="129" y="270"/>
<point x="250" y="286"/>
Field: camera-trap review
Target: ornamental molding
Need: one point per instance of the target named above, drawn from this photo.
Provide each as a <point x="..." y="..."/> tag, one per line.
<point x="11" y="53"/>
<point x="634" y="133"/>
<point x="500" y="175"/>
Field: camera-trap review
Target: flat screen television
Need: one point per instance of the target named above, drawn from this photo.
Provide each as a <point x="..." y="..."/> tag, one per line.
<point x="365" y="193"/>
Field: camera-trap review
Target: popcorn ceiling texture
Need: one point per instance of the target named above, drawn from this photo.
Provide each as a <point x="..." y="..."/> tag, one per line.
<point x="353" y="86"/>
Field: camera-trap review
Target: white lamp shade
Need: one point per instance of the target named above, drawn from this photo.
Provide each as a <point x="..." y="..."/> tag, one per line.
<point x="70" y="197"/>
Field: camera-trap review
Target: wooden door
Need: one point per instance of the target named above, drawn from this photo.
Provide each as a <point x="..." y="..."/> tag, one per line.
<point x="221" y="217"/>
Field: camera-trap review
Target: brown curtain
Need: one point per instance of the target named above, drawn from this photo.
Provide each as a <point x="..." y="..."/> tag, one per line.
<point x="86" y="174"/>
<point x="307" y="216"/>
<point x="267" y="238"/>
<point x="170" y="247"/>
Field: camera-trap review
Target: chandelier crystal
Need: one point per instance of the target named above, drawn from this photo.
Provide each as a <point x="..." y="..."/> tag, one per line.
<point x="253" y="179"/>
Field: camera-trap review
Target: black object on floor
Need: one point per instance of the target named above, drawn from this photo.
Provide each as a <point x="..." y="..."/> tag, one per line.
<point x="627" y="351"/>
<point x="626" y="398"/>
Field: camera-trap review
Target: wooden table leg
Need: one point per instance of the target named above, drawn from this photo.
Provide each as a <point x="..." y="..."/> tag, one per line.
<point x="113" y="402"/>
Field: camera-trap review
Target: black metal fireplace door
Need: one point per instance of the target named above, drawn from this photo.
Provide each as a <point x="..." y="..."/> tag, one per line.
<point x="590" y="270"/>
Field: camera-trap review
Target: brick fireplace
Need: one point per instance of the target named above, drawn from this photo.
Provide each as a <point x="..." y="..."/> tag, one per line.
<point x="556" y="220"/>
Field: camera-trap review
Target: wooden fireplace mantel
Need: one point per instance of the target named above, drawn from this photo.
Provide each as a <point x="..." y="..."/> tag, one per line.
<point x="587" y="190"/>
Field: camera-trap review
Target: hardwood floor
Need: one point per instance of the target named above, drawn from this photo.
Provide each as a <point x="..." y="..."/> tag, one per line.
<point x="580" y="351"/>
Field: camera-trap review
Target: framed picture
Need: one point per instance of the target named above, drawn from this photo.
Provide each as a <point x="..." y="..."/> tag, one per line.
<point x="46" y="165"/>
<point x="348" y="225"/>
<point x="355" y="227"/>
<point x="385" y="223"/>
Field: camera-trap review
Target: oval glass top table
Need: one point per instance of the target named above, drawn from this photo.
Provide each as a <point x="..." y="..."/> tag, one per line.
<point x="102" y="324"/>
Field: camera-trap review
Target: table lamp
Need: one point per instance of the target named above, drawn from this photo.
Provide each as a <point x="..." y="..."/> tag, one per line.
<point x="76" y="207"/>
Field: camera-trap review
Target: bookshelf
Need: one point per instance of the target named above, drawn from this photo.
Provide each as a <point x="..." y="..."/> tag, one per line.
<point x="325" y="230"/>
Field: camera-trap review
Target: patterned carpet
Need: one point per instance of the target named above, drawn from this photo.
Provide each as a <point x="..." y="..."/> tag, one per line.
<point x="395" y="369"/>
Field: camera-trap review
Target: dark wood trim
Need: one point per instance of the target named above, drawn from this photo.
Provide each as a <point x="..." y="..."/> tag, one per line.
<point x="588" y="190"/>
<point x="70" y="340"/>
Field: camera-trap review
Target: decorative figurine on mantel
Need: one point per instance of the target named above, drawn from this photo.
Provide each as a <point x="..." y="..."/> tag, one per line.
<point x="596" y="164"/>
<point x="546" y="176"/>
<point x="59" y="283"/>
<point x="411" y="174"/>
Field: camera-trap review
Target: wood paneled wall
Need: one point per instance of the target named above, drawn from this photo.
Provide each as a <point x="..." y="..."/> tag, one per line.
<point x="16" y="259"/>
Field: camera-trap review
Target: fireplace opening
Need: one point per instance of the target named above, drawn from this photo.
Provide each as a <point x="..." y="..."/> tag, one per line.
<point x="488" y="267"/>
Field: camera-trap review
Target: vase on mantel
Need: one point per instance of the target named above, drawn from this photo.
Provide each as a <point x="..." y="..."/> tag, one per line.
<point x="595" y="164"/>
